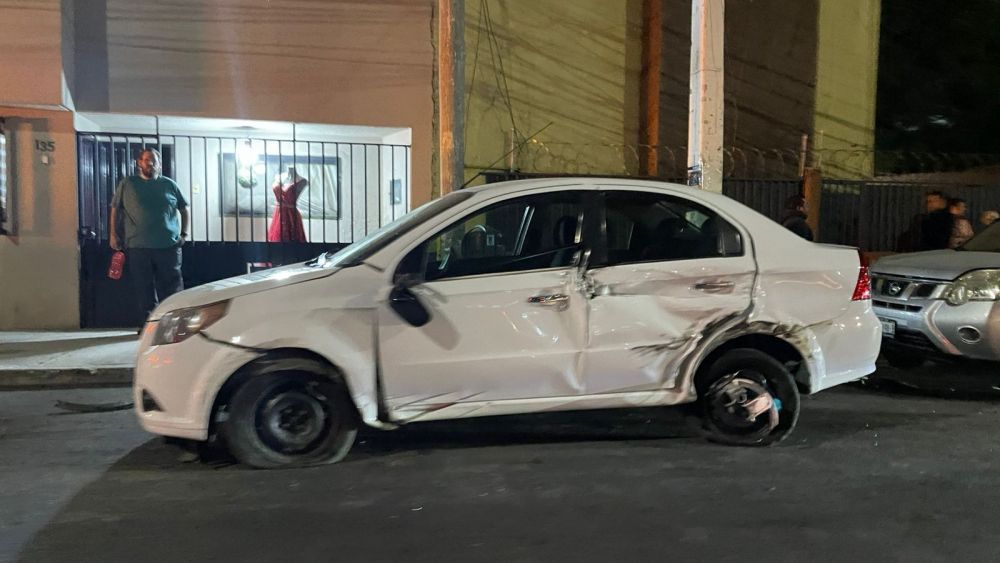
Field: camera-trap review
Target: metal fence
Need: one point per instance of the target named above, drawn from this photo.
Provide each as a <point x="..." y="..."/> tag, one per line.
<point x="877" y="216"/>
<point x="231" y="183"/>
<point x="767" y="197"/>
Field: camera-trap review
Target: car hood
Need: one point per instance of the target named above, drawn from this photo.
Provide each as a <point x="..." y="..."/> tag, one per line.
<point x="936" y="264"/>
<point x="229" y="288"/>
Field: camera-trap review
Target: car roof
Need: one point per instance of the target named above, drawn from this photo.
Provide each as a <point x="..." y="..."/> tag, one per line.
<point x="487" y="191"/>
<point x="587" y="182"/>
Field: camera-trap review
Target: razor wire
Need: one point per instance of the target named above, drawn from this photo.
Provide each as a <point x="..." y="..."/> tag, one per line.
<point x="556" y="157"/>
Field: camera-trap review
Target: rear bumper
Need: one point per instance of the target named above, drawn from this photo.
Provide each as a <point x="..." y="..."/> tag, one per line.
<point x="848" y="346"/>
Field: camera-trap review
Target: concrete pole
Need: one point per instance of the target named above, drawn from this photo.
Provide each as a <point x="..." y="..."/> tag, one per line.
<point x="705" y="156"/>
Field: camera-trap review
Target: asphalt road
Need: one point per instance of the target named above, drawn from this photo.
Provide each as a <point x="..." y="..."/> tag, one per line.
<point x="871" y="474"/>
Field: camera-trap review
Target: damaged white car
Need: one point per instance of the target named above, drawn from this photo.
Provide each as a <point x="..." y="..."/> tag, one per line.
<point x="520" y="297"/>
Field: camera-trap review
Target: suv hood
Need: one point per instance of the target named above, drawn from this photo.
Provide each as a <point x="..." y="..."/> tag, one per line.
<point x="229" y="288"/>
<point x="936" y="264"/>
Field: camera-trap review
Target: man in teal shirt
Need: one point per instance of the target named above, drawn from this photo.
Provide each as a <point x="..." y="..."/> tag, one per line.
<point x="148" y="206"/>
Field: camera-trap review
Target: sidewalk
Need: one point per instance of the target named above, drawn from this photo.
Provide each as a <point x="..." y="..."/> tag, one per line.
<point x="80" y="358"/>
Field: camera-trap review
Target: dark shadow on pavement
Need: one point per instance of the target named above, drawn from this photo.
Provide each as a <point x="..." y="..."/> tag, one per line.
<point x="655" y="423"/>
<point x="965" y="381"/>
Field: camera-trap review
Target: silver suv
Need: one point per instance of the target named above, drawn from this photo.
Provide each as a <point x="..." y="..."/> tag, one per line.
<point x="942" y="303"/>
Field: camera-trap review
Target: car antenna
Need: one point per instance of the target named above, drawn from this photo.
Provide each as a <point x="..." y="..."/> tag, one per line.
<point x="494" y="163"/>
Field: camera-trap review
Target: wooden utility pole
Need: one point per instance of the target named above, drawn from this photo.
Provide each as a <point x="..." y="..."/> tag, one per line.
<point x="649" y="93"/>
<point x="450" y="90"/>
<point x="705" y="117"/>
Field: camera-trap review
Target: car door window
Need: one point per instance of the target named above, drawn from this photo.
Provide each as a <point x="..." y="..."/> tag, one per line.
<point x="649" y="227"/>
<point x="526" y="233"/>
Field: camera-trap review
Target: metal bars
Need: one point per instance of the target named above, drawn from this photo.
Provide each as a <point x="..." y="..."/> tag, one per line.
<point x="227" y="183"/>
<point x="879" y="216"/>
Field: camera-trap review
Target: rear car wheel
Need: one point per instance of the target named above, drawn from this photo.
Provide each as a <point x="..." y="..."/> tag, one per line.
<point x="290" y="419"/>
<point x="747" y="398"/>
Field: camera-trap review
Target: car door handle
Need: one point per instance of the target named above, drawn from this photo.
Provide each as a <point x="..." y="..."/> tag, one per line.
<point x="715" y="287"/>
<point x="554" y="300"/>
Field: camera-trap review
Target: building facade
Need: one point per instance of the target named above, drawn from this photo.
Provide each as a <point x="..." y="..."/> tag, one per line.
<point x="791" y="69"/>
<point x="356" y="96"/>
<point x="340" y="90"/>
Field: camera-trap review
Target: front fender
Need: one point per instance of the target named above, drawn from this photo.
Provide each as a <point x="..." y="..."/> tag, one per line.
<point x="343" y="337"/>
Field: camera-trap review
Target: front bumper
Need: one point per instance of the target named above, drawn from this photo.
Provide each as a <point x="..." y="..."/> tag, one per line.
<point x="931" y="326"/>
<point x="175" y="385"/>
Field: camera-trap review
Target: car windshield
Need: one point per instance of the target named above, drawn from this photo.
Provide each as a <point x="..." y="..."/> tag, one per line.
<point x="986" y="241"/>
<point x="361" y="250"/>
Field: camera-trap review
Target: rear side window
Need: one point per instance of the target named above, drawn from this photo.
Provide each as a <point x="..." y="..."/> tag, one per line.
<point x="651" y="227"/>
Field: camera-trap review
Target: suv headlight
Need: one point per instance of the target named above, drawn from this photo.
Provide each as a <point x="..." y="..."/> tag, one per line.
<point x="981" y="285"/>
<point x="181" y="324"/>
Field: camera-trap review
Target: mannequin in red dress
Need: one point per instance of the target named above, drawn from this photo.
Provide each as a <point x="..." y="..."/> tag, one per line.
<point x="286" y="224"/>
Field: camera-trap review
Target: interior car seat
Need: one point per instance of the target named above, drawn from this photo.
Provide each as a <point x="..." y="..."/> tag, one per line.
<point x="564" y="240"/>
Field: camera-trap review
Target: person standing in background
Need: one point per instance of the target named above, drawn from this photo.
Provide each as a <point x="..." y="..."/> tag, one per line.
<point x="796" y="212"/>
<point x="988" y="217"/>
<point x="149" y="220"/>
<point x="961" y="228"/>
<point x="936" y="224"/>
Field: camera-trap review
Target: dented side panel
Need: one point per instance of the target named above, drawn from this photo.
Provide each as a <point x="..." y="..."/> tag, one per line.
<point x="647" y="319"/>
<point x="485" y="342"/>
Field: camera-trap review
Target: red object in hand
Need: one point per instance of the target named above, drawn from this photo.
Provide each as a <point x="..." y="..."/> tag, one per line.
<point x="117" y="265"/>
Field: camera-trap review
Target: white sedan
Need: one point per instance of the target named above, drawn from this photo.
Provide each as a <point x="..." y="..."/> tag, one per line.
<point x="519" y="297"/>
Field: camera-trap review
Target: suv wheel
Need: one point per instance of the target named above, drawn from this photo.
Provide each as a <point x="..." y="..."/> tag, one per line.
<point x="747" y="398"/>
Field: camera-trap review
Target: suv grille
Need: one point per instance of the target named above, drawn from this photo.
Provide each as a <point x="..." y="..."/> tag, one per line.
<point x="898" y="306"/>
<point x="902" y="289"/>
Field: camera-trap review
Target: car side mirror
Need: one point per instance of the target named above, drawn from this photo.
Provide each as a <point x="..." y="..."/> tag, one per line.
<point x="406" y="304"/>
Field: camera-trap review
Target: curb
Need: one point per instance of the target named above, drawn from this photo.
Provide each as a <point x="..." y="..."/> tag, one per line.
<point x="71" y="378"/>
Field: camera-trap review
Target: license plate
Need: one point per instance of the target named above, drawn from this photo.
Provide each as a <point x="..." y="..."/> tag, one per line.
<point x="888" y="328"/>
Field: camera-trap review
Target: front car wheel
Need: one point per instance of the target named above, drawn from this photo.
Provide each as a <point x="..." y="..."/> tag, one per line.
<point x="290" y="419"/>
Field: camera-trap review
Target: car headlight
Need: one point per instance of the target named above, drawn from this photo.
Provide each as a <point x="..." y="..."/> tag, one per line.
<point x="981" y="285"/>
<point x="181" y="324"/>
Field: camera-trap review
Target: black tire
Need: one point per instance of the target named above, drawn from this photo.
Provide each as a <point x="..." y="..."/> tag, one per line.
<point x="757" y="379"/>
<point x="289" y="419"/>
<point x="903" y="359"/>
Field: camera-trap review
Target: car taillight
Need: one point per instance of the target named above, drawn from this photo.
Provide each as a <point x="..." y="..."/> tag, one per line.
<point x="863" y="289"/>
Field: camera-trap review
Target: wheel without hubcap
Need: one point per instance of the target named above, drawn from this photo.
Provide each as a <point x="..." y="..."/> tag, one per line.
<point x="747" y="398"/>
<point x="288" y="419"/>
